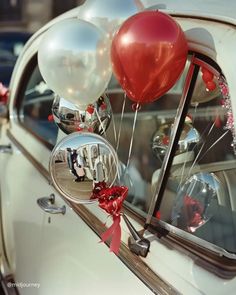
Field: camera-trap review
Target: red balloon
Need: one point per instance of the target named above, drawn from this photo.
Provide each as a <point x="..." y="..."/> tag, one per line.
<point x="148" y="55"/>
<point x="211" y="85"/>
<point x="207" y="76"/>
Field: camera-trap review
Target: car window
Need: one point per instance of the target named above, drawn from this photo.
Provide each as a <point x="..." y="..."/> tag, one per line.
<point x="144" y="160"/>
<point x="11" y="45"/>
<point x="200" y="193"/>
<point x="35" y="109"/>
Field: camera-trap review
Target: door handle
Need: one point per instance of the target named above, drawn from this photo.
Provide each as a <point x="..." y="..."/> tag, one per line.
<point x="6" y="149"/>
<point x="47" y="204"/>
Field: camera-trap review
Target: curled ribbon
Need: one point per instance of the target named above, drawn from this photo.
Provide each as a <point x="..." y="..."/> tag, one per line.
<point x="111" y="199"/>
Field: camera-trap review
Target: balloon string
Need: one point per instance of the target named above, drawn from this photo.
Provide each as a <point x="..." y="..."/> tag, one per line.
<point x="132" y="135"/>
<point x="114" y="126"/>
<point x="200" y="150"/>
<point x="112" y="117"/>
<point x="121" y="120"/>
<point x="101" y="124"/>
<point x="213" y="145"/>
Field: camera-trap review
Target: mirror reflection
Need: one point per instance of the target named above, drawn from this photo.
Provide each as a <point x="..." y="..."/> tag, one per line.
<point x="79" y="161"/>
<point x="194" y="201"/>
<point x="71" y="118"/>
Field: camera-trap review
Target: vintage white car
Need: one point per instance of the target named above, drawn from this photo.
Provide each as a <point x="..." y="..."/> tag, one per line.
<point x="179" y="219"/>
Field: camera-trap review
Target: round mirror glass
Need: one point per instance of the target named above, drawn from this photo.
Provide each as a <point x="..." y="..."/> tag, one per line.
<point x="78" y="162"/>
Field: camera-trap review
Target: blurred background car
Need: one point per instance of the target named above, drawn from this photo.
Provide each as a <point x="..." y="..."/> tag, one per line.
<point x="19" y="19"/>
<point x="11" y="45"/>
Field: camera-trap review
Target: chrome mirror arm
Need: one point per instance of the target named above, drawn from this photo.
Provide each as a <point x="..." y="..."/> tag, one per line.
<point x="137" y="244"/>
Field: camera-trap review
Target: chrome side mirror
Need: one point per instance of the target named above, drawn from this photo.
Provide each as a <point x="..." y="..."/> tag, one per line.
<point x="80" y="160"/>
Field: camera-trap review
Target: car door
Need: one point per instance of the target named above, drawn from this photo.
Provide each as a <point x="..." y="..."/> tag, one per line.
<point x="47" y="254"/>
<point x="22" y="183"/>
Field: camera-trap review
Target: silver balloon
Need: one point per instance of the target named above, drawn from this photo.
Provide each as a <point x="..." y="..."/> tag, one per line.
<point x="160" y="140"/>
<point x="74" y="60"/>
<point x="192" y="207"/>
<point x="78" y="162"/>
<point x="109" y="14"/>
<point x="70" y="118"/>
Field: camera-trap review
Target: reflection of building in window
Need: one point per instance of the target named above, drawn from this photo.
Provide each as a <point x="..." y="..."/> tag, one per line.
<point x="95" y="164"/>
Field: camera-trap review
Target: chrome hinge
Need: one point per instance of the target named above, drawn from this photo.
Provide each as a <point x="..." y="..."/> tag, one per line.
<point x="137" y="244"/>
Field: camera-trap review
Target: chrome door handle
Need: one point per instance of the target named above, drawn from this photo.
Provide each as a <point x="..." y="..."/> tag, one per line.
<point x="6" y="149"/>
<point x="46" y="203"/>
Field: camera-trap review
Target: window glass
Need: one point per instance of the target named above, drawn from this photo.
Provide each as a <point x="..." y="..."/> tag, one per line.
<point x="35" y="112"/>
<point x="144" y="160"/>
<point x="11" y="45"/>
<point x="200" y="194"/>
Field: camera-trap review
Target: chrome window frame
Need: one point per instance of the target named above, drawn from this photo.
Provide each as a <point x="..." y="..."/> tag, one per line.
<point x="162" y="228"/>
<point x="19" y="97"/>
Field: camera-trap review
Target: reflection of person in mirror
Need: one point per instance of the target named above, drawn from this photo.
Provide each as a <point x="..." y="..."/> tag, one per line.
<point x="74" y="156"/>
<point x="99" y="174"/>
<point x="80" y="172"/>
<point x="74" y="164"/>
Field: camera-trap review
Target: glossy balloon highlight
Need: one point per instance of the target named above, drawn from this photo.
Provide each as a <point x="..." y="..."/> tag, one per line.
<point x="109" y="14"/>
<point x="148" y="55"/>
<point x="74" y="61"/>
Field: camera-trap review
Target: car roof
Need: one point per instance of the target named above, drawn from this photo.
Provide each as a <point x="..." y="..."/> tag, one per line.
<point x="215" y="9"/>
<point x="210" y="9"/>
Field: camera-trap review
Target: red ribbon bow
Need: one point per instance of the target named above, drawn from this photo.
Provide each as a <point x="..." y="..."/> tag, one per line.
<point x="111" y="199"/>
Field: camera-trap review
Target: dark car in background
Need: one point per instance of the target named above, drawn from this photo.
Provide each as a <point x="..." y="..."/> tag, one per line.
<point x="11" y="44"/>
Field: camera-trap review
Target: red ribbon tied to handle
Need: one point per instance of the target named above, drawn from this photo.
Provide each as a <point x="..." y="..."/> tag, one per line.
<point x="111" y="199"/>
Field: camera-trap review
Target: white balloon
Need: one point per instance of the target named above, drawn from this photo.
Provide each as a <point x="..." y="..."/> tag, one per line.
<point x="74" y="60"/>
<point x="109" y="14"/>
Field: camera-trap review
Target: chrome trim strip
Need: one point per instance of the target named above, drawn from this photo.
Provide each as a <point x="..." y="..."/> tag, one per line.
<point x="202" y="63"/>
<point x="132" y="261"/>
<point x="198" y="241"/>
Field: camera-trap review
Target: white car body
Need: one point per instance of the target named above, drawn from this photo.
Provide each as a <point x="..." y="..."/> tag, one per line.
<point x="62" y="253"/>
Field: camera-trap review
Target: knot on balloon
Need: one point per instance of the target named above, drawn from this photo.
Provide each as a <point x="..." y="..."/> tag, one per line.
<point x="136" y="107"/>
